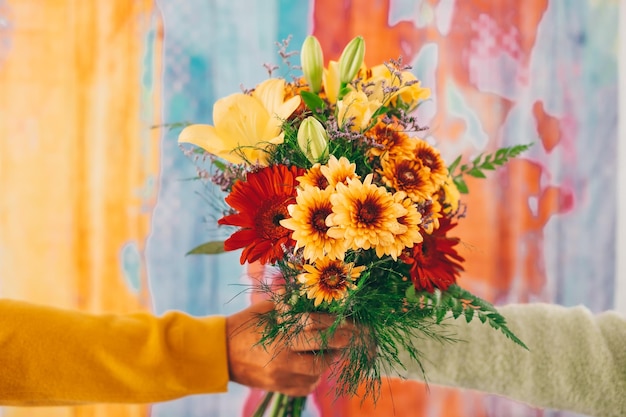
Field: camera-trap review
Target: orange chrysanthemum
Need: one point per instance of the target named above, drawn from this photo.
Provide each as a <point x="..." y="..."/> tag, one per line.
<point x="392" y="141"/>
<point x="308" y="222"/>
<point x="408" y="175"/>
<point x="314" y="178"/>
<point x="328" y="279"/>
<point x="366" y="216"/>
<point x="435" y="263"/>
<point x="431" y="211"/>
<point x="261" y="203"/>
<point x="431" y="159"/>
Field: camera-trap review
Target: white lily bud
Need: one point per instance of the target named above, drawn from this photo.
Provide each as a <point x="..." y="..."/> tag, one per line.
<point x="351" y="59"/>
<point x="312" y="61"/>
<point x="313" y="139"/>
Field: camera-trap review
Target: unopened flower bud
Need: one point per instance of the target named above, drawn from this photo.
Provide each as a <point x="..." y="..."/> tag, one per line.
<point x="312" y="61"/>
<point x="351" y="59"/>
<point x="313" y="139"/>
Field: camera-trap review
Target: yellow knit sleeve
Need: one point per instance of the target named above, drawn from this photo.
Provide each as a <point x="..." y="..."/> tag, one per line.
<point x="50" y="356"/>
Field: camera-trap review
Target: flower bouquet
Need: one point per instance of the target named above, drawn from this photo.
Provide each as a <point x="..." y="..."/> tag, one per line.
<point x="329" y="183"/>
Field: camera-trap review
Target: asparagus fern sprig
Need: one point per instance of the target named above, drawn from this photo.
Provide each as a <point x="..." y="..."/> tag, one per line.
<point x="483" y="162"/>
<point x="461" y="301"/>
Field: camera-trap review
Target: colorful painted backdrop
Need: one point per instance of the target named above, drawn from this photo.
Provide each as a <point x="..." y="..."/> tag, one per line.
<point x="96" y="206"/>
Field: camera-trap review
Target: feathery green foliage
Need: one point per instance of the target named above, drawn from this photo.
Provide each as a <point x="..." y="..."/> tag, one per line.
<point x="483" y="162"/>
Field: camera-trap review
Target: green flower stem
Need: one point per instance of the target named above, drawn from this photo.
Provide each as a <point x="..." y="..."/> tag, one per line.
<point x="298" y="404"/>
<point x="283" y="405"/>
<point x="280" y="406"/>
<point x="260" y="411"/>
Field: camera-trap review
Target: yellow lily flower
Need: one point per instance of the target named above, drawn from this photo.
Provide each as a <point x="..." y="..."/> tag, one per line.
<point x="410" y="95"/>
<point x="331" y="81"/>
<point x="356" y="105"/>
<point x="244" y="125"/>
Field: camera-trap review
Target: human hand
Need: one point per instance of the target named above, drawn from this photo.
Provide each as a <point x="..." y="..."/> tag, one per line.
<point x="293" y="369"/>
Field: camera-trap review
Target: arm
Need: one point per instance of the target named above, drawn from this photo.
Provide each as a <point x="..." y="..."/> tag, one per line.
<point x="576" y="362"/>
<point x="50" y="356"/>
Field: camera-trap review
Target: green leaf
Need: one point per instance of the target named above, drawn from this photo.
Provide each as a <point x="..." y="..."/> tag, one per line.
<point x="457" y="309"/>
<point x="410" y="294"/>
<point x="171" y="126"/>
<point x="379" y="111"/>
<point x="461" y="185"/>
<point x="476" y="172"/>
<point x="343" y="91"/>
<point x="440" y="314"/>
<point x="219" y="165"/>
<point x="476" y="160"/>
<point x="312" y="101"/>
<point x="208" y="248"/>
<point x="453" y="165"/>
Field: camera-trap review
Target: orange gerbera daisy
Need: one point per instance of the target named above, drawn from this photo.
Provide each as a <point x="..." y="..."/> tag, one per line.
<point x="435" y="263"/>
<point x="308" y="222"/>
<point x="366" y="216"/>
<point x="329" y="279"/>
<point x="261" y="203"/>
<point x="314" y="178"/>
<point x="338" y="170"/>
<point x="408" y="175"/>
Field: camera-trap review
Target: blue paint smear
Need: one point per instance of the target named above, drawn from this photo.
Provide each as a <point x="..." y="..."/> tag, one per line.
<point x="130" y="261"/>
<point x="6" y="31"/>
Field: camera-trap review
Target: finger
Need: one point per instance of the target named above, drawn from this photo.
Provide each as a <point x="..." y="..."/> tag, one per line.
<point x="316" y="337"/>
<point x="298" y="386"/>
<point x="311" y="364"/>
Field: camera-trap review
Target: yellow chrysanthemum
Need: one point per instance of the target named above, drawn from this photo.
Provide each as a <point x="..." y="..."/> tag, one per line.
<point x="338" y="171"/>
<point x="450" y="196"/>
<point x="308" y="222"/>
<point x="329" y="280"/>
<point x="366" y="216"/>
<point x="245" y="124"/>
<point x="392" y="141"/>
<point x="314" y="178"/>
<point x="412" y="220"/>
<point x="431" y="159"/>
<point x="408" y="175"/>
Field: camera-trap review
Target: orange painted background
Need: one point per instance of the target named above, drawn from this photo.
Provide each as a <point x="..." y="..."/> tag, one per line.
<point x="96" y="212"/>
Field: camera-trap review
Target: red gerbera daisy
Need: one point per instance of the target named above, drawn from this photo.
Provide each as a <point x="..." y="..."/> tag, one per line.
<point x="434" y="262"/>
<point x="261" y="203"/>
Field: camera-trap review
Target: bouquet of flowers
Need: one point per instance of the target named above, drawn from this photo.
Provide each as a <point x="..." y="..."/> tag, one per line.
<point x="328" y="182"/>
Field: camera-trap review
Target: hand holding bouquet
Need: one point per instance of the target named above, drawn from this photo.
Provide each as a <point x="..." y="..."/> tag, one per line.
<point x="329" y="183"/>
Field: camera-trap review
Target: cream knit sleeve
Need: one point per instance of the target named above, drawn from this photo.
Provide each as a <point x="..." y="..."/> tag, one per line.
<point x="576" y="361"/>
